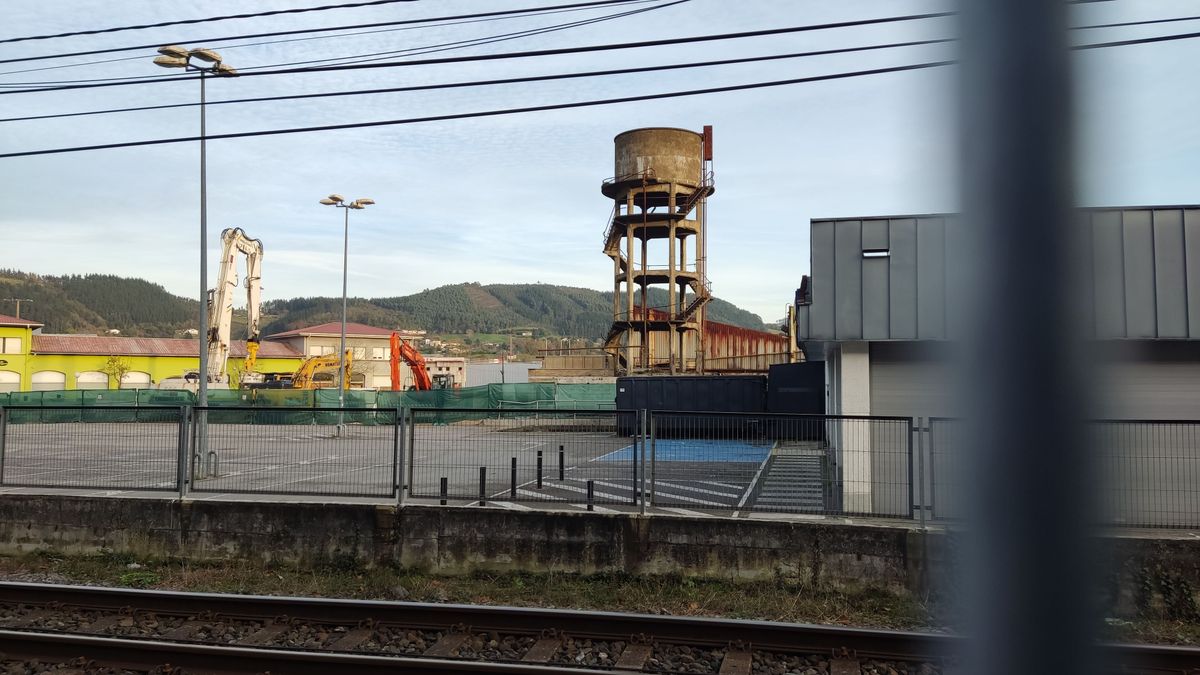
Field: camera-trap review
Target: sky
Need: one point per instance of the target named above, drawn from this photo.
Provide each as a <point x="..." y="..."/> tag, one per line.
<point x="516" y="199"/>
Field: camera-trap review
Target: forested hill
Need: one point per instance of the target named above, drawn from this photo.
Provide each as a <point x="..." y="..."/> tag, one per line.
<point x="558" y="310"/>
<point x="95" y="303"/>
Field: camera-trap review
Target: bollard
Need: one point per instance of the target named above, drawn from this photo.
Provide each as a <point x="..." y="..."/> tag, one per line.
<point x="539" y="470"/>
<point x="444" y="490"/>
<point x="512" y="489"/>
<point x="212" y="464"/>
<point x="560" y="463"/>
<point x="591" y="495"/>
<point x="483" y="486"/>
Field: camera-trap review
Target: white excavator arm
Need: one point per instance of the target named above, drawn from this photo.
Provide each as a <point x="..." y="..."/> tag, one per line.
<point x="234" y="241"/>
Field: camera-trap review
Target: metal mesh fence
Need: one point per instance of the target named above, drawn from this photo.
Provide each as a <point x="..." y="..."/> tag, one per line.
<point x="782" y="463"/>
<point x="116" y="448"/>
<point x="944" y="469"/>
<point x="1148" y="472"/>
<point x="256" y="450"/>
<point x="503" y="455"/>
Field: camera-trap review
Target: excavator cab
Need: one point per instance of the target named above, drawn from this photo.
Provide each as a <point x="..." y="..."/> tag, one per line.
<point x="443" y="381"/>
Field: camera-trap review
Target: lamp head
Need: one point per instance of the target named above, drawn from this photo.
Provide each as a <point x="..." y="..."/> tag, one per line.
<point x="174" y="51"/>
<point x="206" y="55"/>
<point x="336" y="198"/>
<point x="328" y="202"/>
<point x="365" y="201"/>
<point x="227" y="71"/>
<point x="170" y="61"/>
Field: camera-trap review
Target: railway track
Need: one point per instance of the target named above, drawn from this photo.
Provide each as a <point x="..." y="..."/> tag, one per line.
<point x="138" y="631"/>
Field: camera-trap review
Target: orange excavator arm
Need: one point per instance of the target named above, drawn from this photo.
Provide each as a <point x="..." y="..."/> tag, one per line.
<point x="395" y="344"/>
<point x="416" y="363"/>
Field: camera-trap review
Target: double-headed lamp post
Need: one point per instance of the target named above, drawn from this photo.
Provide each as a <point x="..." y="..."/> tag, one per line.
<point x="340" y="202"/>
<point x="206" y="62"/>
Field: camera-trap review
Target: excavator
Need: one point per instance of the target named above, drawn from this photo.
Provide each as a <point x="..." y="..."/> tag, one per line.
<point x="416" y="363"/>
<point x="305" y="376"/>
<point x="234" y="240"/>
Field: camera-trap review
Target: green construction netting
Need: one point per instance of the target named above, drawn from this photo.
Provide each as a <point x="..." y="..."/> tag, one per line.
<point x="291" y="406"/>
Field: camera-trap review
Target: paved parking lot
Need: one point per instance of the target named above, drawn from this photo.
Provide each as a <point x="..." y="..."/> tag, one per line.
<point x="260" y="459"/>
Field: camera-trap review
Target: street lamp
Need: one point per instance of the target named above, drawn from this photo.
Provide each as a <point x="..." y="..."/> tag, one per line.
<point x="174" y="56"/>
<point x="358" y="204"/>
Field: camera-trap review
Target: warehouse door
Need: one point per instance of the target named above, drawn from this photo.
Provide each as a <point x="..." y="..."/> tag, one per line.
<point x="907" y="380"/>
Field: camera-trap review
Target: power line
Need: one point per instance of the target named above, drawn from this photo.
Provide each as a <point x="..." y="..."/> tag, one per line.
<point x="484" y="113"/>
<point x="181" y="22"/>
<point x="514" y="55"/>
<point x="577" y="7"/>
<point x="426" y="49"/>
<point x="404" y="22"/>
<point x="504" y="81"/>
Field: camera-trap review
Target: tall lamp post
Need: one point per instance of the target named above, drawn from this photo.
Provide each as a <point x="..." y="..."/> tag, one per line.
<point x="205" y="62"/>
<point x="358" y="204"/>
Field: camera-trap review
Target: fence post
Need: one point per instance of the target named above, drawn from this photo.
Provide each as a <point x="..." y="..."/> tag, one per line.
<point x="922" y="428"/>
<point x="911" y="469"/>
<point x="639" y="445"/>
<point x="483" y="486"/>
<point x="181" y="456"/>
<point x="443" y="489"/>
<point x="561" y="464"/>
<point x="539" y="469"/>
<point x="411" y="478"/>
<point x="646" y="423"/>
<point x="512" y="489"/>
<point x="398" y="471"/>
<point x="653" y="456"/>
<point x="3" y="434"/>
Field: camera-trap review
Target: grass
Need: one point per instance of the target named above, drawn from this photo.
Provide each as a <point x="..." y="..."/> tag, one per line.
<point x="768" y="600"/>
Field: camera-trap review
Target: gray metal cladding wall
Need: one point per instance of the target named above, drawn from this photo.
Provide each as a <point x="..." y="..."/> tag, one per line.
<point x="1144" y="272"/>
<point x="900" y="295"/>
<point x="1140" y="265"/>
<point x="727" y="393"/>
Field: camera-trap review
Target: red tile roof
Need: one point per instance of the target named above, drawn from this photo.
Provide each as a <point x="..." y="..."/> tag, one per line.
<point x="335" y="328"/>
<point x="6" y="320"/>
<point x="135" y="346"/>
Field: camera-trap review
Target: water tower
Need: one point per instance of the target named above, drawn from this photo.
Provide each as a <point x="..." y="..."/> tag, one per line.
<point x="656" y="239"/>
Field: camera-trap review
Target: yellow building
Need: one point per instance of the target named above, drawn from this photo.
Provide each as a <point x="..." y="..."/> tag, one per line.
<point x="31" y="361"/>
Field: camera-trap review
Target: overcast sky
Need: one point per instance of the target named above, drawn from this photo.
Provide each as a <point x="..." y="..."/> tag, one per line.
<point x="516" y="198"/>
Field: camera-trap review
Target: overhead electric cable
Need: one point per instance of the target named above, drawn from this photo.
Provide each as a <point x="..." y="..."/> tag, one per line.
<point x="481" y="83"/>
<point x="227" y="17"/>
<point x="515" y="55"/>
<point x="577" y="7"/>
<point x="426" y="49"/>
<point x="473" y="42"/>
<point x="301" y="31"/>
<point x="482" y="113"/>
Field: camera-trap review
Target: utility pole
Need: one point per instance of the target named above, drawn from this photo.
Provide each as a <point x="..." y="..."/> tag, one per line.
<point x="18" y="301"/>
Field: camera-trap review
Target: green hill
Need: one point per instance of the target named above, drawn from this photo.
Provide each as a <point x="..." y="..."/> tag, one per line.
<point x="557" y="310"/>
<point x="95" y="303"/>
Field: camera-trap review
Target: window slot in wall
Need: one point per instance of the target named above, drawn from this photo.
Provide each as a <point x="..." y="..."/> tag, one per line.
<point x="876" y="253"/>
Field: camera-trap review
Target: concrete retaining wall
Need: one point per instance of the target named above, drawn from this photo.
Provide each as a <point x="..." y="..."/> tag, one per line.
<point x="1149" y="574"/>
<point x="461" y="540"/>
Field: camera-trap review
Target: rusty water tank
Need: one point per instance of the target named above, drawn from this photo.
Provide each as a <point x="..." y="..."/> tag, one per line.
<point x="672" y="155"/>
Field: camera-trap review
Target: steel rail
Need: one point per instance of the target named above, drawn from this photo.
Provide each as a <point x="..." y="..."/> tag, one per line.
<point x="759" y="635"/>
<point x="135" y="654"/>
<point x="767" y="635"/>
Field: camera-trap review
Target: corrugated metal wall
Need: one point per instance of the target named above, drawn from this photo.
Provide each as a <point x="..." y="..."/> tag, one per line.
<point x="887" y="278"/>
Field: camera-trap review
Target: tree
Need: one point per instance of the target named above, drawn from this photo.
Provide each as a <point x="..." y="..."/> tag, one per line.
<point x="117" y="367"/>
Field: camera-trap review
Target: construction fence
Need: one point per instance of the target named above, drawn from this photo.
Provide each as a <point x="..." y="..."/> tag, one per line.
<point x="300" y="406"/>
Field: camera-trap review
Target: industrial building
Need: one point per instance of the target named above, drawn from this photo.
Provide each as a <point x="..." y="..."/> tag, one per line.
<point x="33" y="361"/>
<point x="875" y="310"/>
